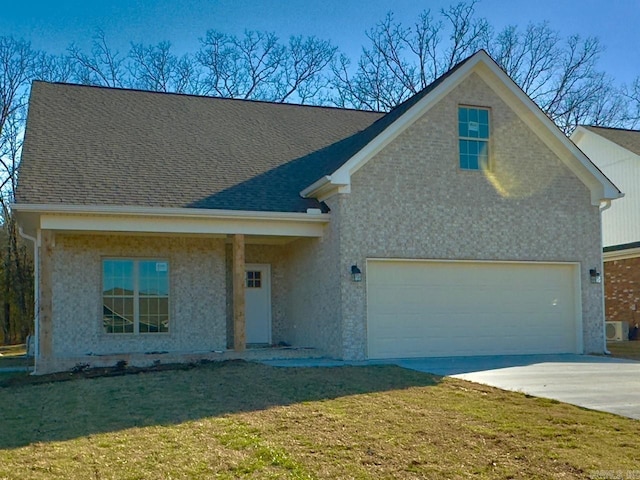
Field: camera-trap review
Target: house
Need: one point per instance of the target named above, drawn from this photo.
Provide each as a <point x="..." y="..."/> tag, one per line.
<point x="617" y="153"/>
<point x="463" y="222"/>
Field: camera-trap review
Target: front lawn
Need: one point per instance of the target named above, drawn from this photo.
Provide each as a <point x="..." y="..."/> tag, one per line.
<point x="14" y="356"/>
<point x="246" y="420"/>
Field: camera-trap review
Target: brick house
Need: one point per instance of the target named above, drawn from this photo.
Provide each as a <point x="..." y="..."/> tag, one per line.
<point x="167" y="226"/>
<point x="617" y="153"/>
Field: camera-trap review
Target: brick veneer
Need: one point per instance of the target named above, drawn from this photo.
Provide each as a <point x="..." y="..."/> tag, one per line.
<point x="412" y="201"/>
<point x="622" y="290"/>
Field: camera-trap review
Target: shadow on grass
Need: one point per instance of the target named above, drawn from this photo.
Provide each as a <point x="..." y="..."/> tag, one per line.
<point x="66" y="410"/>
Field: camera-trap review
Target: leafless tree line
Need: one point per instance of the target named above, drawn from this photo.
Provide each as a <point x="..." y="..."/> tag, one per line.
<point x="560" y="74"/>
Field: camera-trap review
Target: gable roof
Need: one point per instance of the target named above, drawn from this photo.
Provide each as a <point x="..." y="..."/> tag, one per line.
<point x="103" y="146"/>
<point x="629" y="139"/>
<point x="601" y="188"/>
<point x="112" y="147"/>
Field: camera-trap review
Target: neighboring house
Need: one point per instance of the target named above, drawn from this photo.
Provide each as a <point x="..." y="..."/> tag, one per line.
<point x="181" y="224"/>
<point x="617" y="153"/>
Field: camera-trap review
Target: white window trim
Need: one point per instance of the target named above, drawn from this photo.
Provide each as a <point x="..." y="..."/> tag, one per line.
<point x="475" y="139"/>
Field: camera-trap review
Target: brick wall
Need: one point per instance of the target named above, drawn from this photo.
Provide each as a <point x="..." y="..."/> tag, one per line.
<point x="314" y="309"/>
<point x="197" y="295"/>
<point x="622" y="290"/>
<point x="412" y="201"/>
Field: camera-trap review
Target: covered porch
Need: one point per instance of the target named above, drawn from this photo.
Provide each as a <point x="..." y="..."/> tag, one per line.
<point x="228" y="284"/>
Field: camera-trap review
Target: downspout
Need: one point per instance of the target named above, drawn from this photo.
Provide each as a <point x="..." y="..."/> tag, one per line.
<point x="36" y="293"/>
<point x="607" y="204"/>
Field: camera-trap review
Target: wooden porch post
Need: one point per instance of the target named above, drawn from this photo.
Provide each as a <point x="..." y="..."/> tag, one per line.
<point x="239" y="330"/>
<point x="45" y="347"/>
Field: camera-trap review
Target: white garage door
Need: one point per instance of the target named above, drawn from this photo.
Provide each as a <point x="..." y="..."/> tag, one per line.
<point x="433" y="308"/>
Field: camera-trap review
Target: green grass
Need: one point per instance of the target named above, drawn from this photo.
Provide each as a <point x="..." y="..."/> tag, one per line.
<point x="14" y="356"/>
<point x="244" y="420"/>
<point x="630" y="350"/>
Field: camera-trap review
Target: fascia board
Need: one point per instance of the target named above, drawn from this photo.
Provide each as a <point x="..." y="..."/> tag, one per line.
<point x="161" y="211"/>
<point x="578" y="133"/>
<point x="73" y="218"/>
<point x="312" y="190"/>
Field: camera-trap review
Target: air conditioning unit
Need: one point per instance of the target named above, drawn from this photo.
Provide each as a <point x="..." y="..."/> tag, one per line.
<point x="617" y="331"/>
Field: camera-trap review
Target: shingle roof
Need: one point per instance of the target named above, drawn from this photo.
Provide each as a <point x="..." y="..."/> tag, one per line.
<point x="102" y="146"/>
<point x="629" y="139"/>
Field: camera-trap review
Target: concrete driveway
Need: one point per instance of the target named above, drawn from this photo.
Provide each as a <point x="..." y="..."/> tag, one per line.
<point x="599" y="383"/>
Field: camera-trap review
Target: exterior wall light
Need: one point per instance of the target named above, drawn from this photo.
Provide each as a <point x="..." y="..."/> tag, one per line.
<point x="595" y="276"/>
<point x="356" y="273"/>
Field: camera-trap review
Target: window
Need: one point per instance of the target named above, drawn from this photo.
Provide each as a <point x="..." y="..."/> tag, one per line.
<point x="135" y="296"/>
<point x="473" y="130"/>
<point x="254" y="279"/>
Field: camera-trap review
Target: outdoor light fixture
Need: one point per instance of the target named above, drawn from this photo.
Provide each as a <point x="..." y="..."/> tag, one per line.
<point x="356" y="273"/>
<point x="595" y="276"/>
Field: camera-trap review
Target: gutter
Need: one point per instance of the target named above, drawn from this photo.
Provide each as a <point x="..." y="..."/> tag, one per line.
<point x="607" y="205"/>
<point x="36" y="293"/>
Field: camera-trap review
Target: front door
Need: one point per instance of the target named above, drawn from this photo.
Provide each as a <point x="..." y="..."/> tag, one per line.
<point x="258" y="303"/>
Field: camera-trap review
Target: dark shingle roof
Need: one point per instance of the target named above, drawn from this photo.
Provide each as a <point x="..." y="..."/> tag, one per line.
<point x="102" y="146"/>
<point x="629" y="139"/>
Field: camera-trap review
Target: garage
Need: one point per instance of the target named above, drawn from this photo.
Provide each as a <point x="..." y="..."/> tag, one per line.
<point x="424" y="308"/>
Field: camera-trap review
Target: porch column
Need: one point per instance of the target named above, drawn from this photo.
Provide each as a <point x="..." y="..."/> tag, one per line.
<point x="45" y="317"/>
<point x="239" y="330"/>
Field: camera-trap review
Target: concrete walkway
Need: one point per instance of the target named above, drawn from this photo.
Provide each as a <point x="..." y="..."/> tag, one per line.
<point x="598" y="383"/>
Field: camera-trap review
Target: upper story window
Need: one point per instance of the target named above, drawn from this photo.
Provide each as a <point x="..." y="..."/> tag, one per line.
<point x="473" y="132"/>
<point x="135" y="296"/>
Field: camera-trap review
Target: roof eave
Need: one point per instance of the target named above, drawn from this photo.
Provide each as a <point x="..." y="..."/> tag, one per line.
<point x="140" y="220"/>
<point x="326" y="187"/>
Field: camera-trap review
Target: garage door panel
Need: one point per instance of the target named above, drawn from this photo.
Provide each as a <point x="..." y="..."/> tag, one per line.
<point x="431" y="308"/>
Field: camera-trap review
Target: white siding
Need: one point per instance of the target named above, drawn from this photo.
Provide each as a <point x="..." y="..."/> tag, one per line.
<point x="621" y="222"/>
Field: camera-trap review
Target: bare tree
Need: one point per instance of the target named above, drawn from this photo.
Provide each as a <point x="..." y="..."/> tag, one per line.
<point x="401" y="60"/>
<point x="156" y="68"/>
<point x="258" y="66"/>
<point x="561" y="76"/>
<point x="304" y="70"/>
<point x="239" y="68"/>
<point x="17" y="66"/>
<point x="17" y="291"/>
<point x="632" y="100"/>
<point x="53" y="68"/>
<point x="104" y="66"/>
<point x="467" y="35"/>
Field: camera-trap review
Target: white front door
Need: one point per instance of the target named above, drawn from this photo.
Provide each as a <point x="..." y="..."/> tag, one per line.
<point x="258" y="303"/>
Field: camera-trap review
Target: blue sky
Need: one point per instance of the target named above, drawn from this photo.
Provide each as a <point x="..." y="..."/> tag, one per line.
<point x="53" y="25"/>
